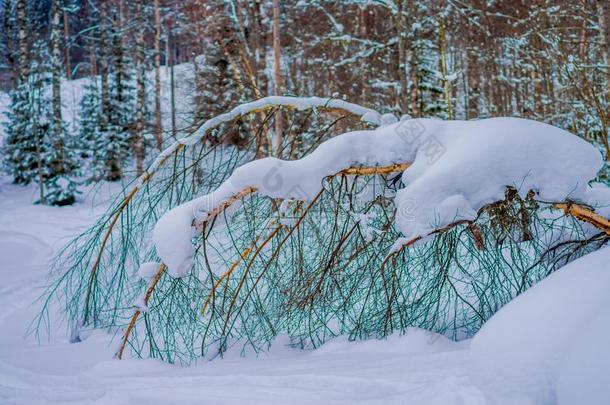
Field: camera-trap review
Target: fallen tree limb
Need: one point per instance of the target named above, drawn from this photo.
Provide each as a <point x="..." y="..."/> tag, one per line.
<point x="368" y="171"/>
<point x="585" y="214"/>
<point x="573" y="209"/>
<point x="328" y="105"/>
<point x="136" y="314"/>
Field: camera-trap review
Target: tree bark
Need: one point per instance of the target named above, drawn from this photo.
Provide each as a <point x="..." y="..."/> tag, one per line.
<point x="104" y="56"/>
<point x="442" y="45"/>
<point x="24" y="58"/>
<point x="140" y="90"/>
<point x="170" y="61"/>
<point x="113" y="171"/>
<point x="277" y="76"/>
<point x="158" y="123"/>
<point x="67" y="45"/>
<point x="602" y="12"/>
<point x="402" y="57"/>
<point x="56" y="71"/>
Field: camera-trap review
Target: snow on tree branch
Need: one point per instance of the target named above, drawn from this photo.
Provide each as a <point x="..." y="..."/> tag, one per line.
<point x="458" y="167"/>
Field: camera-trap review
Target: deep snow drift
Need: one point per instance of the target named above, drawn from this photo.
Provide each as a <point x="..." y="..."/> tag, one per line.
<point x="553" y="336"/>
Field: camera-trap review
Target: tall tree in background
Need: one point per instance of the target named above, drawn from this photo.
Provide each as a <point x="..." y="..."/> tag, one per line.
<point x="108" y="144"/>
<point x="24" y="56"/>
<point x="138" y="141"/>
<point x="61" y="157"/>
<point x="158" y="122"/>
<point x="546" y="60"/>
<point x="66" y="22"/>
<point x="118" y="105"/>
<point x="277" y="76"/>
<point x="19" y="148"/>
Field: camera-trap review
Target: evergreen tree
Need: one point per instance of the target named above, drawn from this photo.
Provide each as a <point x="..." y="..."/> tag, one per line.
<point x="89" y="120"/>
<point x="107" y="112"/>
<point x="60" y="156"/>
<point x="25" y="147"/>
<point x="217" y="91"/>
<point x="116" y="135"/>
<point x="19" y="145"/>
<point x="19" y="150"/>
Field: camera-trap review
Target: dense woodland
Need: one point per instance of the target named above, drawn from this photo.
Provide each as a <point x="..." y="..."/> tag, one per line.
<point x="544" y="60"/>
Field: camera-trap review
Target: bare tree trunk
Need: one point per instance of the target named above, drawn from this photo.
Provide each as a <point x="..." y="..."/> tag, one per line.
<point x="67" y="45"/>
<point x="112" y="164"/>
<point x="402" y="56"/>
<point x="7" y="26"/>
<point x="24" y="59"/>
<point x="363" y="32"/>
<point x="170" y="61"/>
<point x="140" y="91"/>
<point x="104" y="56"/>
<point x="277" y="76"/>
<point x="58" y="142"/>
<point x="158" y="123"/>
<point x="415" y="110"/>
<point x="40" y="175"/>
<point x="602" y="12"/>
<point x="92" y="60"/>
<point x="442" y="45"/>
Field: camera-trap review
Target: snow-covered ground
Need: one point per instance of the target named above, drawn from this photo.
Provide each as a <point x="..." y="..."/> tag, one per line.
<point x="419" y="368"/>
<point x="547" y="347"/>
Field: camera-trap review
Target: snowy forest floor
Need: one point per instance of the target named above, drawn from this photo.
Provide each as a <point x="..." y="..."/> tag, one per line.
<point x="418" y="368"/>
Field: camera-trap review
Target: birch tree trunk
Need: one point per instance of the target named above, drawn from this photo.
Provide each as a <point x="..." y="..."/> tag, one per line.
<point x="602" y="12"/>
<point x="277" y="76"/>
<point x="158" y="123"/>
<point x="442" y="45"/>
<point x="7" y="26"/>
<point x="402" y="56"/>
<point x="170" y="61"/>
<point x="112" y="164"/>
<point x="140" y="90"/>
<point x="67" y="45"/>
<point x="24" y="59"/>
<point x="56" y="63"/>
<point x="104" y="56"/>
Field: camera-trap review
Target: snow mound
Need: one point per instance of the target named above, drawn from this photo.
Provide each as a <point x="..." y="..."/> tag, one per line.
<point x="22" y="248"/>
<point x="414" y="341"/>
<point x="584" y="375"/>
<point x="458" y="167"/>
<point x="463" y="165"/>
<point x="148" y="270"/>
<point x="519" y="352"/>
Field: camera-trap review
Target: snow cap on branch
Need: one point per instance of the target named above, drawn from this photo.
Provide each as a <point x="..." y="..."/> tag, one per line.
<point x="458" y="167"/>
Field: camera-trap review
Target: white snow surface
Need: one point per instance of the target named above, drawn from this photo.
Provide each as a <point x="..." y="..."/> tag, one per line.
<point x="421" y="367"/>
<point x="550" y="340"/>
<point x="458" y="167"/>
<point x="583" y="374"/>
<point x="561" y="323"/>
